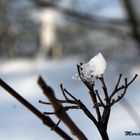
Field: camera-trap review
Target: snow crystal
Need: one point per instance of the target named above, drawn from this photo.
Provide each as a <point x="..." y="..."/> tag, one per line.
<point x="97" y="65"/>
<point x="94" y="68"/>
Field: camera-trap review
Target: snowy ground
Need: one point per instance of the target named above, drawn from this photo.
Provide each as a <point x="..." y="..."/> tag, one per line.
<point x="17" y="123"/>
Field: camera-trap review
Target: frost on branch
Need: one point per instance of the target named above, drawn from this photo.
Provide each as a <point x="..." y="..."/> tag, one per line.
<point x="94" y="69"/>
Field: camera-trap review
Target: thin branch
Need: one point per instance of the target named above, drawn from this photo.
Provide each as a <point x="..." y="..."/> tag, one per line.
<point x="43" y="102"/>
<point x="107" y="107"/>
<point x="118" y="82"/>
<point x="58" y="122"/>
<point x="67" y="101"/>
<point x="56" y="125"/>
<point x="99" y="98"/>
<point x="105" y="89"/>
<point x="136" y="75"/>
<point x="122" y="95"/>
<point x="48" y="92"/>
<point x="62" y="89"/>
<point x="49" y="113"/>
<point x="70" y="95"/>
<point x="66" y="108"/>
<point x="116" y="87"/>
<point x="64" y="94"/>
<point x="83" y="107"/>
<point x="46" y="120"/>
<point x="94" y="100"/>
<point x="123" y="86"/>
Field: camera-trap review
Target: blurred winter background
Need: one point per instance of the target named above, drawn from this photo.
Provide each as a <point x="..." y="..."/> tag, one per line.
<point x="41" y="38"/>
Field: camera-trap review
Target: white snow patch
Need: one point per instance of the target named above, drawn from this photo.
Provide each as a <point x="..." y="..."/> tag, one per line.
<point x="94" y="68"/>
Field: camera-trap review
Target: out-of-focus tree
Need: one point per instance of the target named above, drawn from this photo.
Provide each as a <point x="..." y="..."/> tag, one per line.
<point x="133" y="12"/>
<point x="18" y="34"/>
<point x="5" y="34"/>
<point x="50" y="22"/>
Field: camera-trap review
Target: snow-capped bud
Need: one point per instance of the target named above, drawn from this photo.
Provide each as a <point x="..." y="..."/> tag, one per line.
<point x="94" y="69"/>
<point x="97" y="65"/>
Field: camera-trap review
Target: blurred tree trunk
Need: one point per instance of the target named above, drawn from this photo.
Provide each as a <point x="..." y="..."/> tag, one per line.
<point x="133" y="11"/>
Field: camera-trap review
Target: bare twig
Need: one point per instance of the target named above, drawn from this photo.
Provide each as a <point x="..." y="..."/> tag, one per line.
<point x="94" y="100"/>
<point x="99" y="98"/>
<point x="83" y="107"/>
<point x="62" y="115"/>
<point x="46" y="120"/>
<point x="136" y="75"/>
<point x="60" y="101"/>
<point x="67" y="101"/>
<point x="118" y="82"/>
<point x="43" y="102"/>
<point x="66" y="108"/>
<point x="122" y="95"/>
<point x="104" y="89"/>
<point x="62" y="89"/>
<point x="117" y="89"/>
<point x="49" y="113"/>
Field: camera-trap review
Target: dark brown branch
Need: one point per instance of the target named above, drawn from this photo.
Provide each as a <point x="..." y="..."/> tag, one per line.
<point x="56" y="125"/>
<point x="62" y="89"/>
<point x="99" y="98"/>
<point x="118" y="82"/>
<point x="122" y="95"/>
<point x="65" y="96"/>
<point x="66" y="108"/>
<point x="46" y="120"/>
<point x="67" y="101"/>
<point x="83" y="107"/>
<point x="116" y="87"/>
<point x="49" y="113"/>
<point x="71" y="95"/>
<point x="122" y="87"/>
<point x="136" y="75"/>
<point x="60" y="101"/>
<point x="62" y="115"/>
<point x="105" y="116"/>
<point x="94" y="100"/>
<point x="106" y="111"/>
<point x="43" y="102"/>
<point x="58" y="122"/>
<point x="21" y="99"/>
<point x="105" y="90"/>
